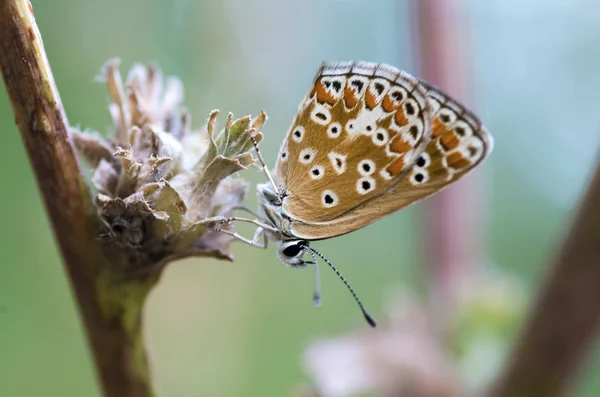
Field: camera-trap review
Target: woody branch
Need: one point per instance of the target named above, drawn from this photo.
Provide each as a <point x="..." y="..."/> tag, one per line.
<point x="44" y="130"/>
<point x="561" y="329"/>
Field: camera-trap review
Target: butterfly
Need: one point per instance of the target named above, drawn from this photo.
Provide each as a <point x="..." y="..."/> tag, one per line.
<point x="367" y="140"/>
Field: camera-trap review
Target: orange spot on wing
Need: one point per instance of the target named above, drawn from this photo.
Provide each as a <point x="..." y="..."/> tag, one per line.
<point x="323" y="95"/>
<point x="449" y="141"/>
<point x="438" y="129"/>
<point x="388" y="104"/>
<point x="370" y="100"/>
<point x="399" y="145"/>
<point x="400" y="118"/>
<point x="350" y="97"/>
<point x="457" y="161"/>
<point x="396" y="166"/>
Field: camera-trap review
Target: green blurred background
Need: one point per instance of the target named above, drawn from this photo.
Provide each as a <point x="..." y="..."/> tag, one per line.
<point x="239" y="329"/>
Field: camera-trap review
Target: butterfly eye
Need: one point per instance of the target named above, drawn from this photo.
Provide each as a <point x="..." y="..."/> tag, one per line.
<point x="292" y="250"/>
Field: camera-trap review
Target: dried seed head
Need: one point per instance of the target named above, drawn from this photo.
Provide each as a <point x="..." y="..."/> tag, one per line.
<point x="159" y="183"/>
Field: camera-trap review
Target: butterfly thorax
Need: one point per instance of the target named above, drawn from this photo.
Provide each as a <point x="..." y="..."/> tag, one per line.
<point x="270" y="204"/>
<point x="290" y="249"/>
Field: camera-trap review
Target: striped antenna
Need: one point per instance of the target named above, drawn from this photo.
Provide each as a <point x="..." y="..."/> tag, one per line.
<point x="368" y="317"/>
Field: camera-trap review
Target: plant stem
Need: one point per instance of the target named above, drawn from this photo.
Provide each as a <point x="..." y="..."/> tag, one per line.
<point x="454" y="235"/>
<point x="560" y="331"/>
<point x="111" y="310"/>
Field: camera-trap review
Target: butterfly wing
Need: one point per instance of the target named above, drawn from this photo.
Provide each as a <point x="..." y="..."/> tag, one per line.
<point x="452" y="141"/>
<point x="459" y="142"/>
<point x="355" y="134"/>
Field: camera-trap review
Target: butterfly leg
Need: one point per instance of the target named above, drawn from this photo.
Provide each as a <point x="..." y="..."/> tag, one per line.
<point x="248" y="220"/>
<point x="265" y="169"/>
<point x="221" y="220"/>
<point x="214" y="224"/>
<point x="258" y="234"/>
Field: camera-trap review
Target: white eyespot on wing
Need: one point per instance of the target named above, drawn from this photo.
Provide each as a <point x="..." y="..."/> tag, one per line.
<point x="334" y="130"/>
<point x="423" y="160"/>
<point x="365" y="185"/>
<point x="284" y="155"/>
<point x="317" y="172"/>
<point x="419" y="176"/>
<point x="307" y="155"/>
<point x="320" y="115"/>
<point x="380" y="137"/>
<point x="338" y="161"/>
<point x="366" y="167"/>
<point x="329" y="199"/>
<point x="298" y="134"/>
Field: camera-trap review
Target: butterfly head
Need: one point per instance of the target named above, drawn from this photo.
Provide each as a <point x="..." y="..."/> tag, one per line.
<point x="291" y="252"/>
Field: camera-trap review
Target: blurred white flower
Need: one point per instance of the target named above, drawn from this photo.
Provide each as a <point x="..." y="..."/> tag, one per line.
<point x="403" y="357"/>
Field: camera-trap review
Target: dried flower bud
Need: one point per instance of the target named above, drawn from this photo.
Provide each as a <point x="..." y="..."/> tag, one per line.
<point x="160" y="185"/>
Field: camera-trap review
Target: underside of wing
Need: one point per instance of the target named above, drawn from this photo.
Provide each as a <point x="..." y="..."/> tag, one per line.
<point x="356" y="134"/>
<point x="458" y="143"/>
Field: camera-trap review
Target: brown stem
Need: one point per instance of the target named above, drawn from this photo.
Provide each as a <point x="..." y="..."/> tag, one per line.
<point x="561" y="329"/>
<point x="112" y="327"/>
